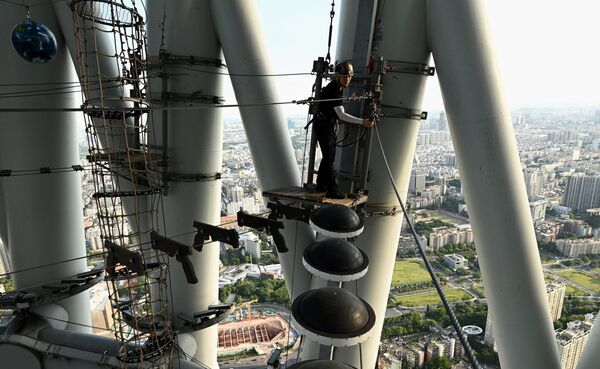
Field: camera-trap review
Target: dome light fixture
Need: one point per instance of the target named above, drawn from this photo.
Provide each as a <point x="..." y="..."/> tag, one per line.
<point x="336" y="221"/>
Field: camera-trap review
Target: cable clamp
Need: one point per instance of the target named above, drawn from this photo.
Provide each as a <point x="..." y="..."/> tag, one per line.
<point x="193" y="177"/>
<point x="216" y="234"/>
<point x="189" y="99"/>
<point x="269" y="226"/>
<point x="121" y="256"/>
<point x="180" y="251"/>
<point x="157" y="62"/>
<point x="378" y="211"/>
<point x="278" y="211"/>
<point x="401" y="112"/>
<point x="398" y="66"/>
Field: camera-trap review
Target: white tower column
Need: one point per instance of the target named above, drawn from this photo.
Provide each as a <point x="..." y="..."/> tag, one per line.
<point x="44" y="213"/>
<point x="270" y="145"/>
<point x="403" y="39"/>
<point x="194" y="147"/>
<point x="488" y="158"/>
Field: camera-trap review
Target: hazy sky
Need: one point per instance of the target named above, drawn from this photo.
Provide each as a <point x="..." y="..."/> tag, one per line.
<point x="548" y="51"/>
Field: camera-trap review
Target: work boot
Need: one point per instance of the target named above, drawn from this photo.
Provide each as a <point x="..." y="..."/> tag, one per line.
<point x="335" y="195"/>
<point x="320" y="189"/>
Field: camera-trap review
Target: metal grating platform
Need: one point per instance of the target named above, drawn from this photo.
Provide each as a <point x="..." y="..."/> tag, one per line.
<point x="311" y="197"/>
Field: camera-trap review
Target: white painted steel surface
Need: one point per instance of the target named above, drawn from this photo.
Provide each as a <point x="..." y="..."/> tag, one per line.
<point x="486" y="149"/>
<point x="266" y="128"/>
<point x="43" y="212"/>
<point x="195" y="146"/>
<point x="404" y="38"/>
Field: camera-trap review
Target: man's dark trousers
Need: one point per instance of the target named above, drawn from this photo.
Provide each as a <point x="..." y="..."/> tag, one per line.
<point x="326" y="174"/>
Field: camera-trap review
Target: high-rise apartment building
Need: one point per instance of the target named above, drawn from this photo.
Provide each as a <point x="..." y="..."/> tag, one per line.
<point x="556" y="297"/>
<point x="534" y="182"/>
<point x="236" y="194"/>
<point x="582" y="192"/>
<point x="538" y="211"/>
<point x="571" y="341"/>
<point x="417" y="181"/>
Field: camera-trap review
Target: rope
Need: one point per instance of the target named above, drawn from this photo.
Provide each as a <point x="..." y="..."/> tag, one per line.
<point x="331" y="15"/>
<point x="436" y="283"/>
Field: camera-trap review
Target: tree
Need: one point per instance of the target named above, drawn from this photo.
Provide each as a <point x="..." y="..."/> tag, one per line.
<point x="594" y="221"/>
<point x="440" y="362"/>
<point x="454" y="183"/>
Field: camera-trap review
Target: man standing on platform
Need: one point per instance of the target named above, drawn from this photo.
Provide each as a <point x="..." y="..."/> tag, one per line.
<point x="331" y="109"/>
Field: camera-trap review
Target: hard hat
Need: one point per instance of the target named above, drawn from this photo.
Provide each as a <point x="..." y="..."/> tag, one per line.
<point x="344" y="69"/>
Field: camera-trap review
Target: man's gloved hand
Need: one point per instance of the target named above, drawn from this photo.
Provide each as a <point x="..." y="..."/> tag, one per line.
<point x="367" y="123"/>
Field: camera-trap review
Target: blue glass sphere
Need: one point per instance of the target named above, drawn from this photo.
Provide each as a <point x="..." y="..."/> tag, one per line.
<point x="34" y="42"/>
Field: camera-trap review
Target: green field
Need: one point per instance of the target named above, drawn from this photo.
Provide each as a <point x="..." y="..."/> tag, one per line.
<point x="478" y="288"/>
<point x="570" y="290"/>
<point x="582" y="279"/>
<point x="430" y="298"/>
<point x="409" y="272"/>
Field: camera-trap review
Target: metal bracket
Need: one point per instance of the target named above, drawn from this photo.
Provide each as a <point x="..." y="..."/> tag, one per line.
<point x="278" y="211"/>
<point x="102" y="113"/>
<point x="99" y="195"/>
<point x="216" y="234"/>
<point x="372" y="211"/>
<point x="156" y="62"/>
<point x="192" y="177"/>
<point x="399" y="66"/>
<point x="401" y="112"/>
<point x="207" y="318"/>
<point x="270" y="226"/>
<point x="193" y="98"/>
<point x="119" y="255"/>
<point x="179" y="250"/>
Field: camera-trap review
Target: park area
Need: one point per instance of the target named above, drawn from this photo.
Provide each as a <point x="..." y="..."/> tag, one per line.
<point x="582" y="279"/>
<point x="430" y="297"/>
<point x="409" y="272"/>
<point x="572" y="291"/>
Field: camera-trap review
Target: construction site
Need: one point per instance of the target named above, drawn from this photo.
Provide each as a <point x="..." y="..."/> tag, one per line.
<point x="253" y="329"/>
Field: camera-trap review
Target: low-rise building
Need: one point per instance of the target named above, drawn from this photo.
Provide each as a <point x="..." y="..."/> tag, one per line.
<point x="455" y="261"/>
<point x="548" y="231"/>
<point x="442" y="236"/>
<point x="538" y="211"/>
<point x="577" y="227"/>
<point x="576" y="248"/>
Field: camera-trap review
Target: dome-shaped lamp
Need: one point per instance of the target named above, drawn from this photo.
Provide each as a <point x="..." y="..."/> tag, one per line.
<point x="335" y="259"/>
<point x="336" y="221"/>
<point x="320" y="364"/>
<point x="333" y="316"/>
